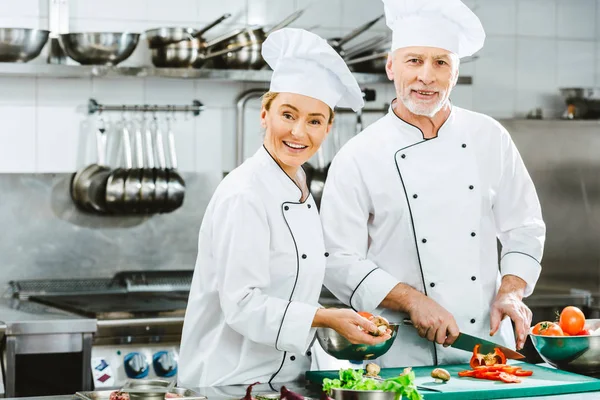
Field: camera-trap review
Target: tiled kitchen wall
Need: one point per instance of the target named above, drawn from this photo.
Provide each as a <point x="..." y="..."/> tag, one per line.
<point x="533" y="47"/>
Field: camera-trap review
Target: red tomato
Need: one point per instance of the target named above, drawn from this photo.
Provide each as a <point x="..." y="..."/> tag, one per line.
<point x="365" y="314"/>
<point x="583" y="332"/>
<point x="571" y="320"/>
<point x="547" y="328"/>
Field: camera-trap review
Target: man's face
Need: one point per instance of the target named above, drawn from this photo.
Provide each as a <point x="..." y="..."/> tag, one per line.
<point x="423" y="77"/>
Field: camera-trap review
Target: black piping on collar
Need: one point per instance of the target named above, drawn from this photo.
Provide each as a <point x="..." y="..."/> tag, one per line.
<point x="414" y="126"/>
<point x="412" y="222"/>
<point x="289" y="177"/>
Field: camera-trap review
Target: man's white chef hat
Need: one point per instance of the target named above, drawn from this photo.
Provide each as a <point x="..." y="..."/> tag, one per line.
<point x="304" y="63"/>
<point x="447" y="24"/>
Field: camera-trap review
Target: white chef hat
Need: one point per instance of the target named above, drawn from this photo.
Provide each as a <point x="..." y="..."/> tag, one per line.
<point x="304" y="63"/>
<point x="447" y="24"/>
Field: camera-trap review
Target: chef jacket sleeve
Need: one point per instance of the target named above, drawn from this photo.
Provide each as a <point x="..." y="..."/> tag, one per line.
<point x="518" y="215"/>
<point x="241" y="251"/>
<point x="345" y="211"/>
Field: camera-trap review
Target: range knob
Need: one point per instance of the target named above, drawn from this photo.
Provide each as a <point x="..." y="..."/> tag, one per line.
<point x="164" y="363"/>
<point x="136" y="366"/>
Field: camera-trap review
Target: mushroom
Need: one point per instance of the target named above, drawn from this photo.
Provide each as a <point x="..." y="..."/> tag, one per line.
<point x="440" y="375"/>
<point x="382" y="325"/>
<point x="373" y="370"/>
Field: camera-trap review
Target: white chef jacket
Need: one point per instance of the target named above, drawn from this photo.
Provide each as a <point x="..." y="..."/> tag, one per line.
<point x="427" y="213"/>
<point x="257" y="281"/>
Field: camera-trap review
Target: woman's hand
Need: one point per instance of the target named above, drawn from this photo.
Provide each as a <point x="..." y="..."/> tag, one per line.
<point x="348" y="323"/>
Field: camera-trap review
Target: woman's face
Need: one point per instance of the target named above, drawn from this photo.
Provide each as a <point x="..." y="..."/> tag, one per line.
<point x="295" y="125"/>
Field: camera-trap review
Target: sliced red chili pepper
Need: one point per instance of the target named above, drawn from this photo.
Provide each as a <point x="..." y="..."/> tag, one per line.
<point x="509" y="378"/>
<point x="523" y="373"/>
<point x="490" y="375"/>
<point x="467" y="373"/>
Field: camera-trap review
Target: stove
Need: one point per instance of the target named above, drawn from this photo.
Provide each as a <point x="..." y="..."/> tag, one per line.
<point x="139" y="318"/>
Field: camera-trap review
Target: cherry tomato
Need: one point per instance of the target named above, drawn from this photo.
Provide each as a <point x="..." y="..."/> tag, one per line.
<point x="571" y="320"/>
<point x="547" y="328"/>
<point x="365" y="314"/>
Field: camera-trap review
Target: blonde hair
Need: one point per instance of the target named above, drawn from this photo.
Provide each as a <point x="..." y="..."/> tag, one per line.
<point x="268" y="98"/>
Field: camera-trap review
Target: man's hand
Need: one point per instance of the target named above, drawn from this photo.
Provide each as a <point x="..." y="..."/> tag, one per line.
<point x="509" y="302"/>
<point x="433" y="321"/>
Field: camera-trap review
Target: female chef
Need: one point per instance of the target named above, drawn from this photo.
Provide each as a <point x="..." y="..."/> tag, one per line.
<point x="253" y="306"/>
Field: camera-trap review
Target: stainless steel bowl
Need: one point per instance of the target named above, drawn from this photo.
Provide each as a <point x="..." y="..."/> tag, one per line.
<point x="347" y="394"/>
<point x="21" y="44"/>
<point x="176" y="55"/>
<point x="99" y="48"/>
<point x="579" y="354"/>
<point x="339" y="347"/>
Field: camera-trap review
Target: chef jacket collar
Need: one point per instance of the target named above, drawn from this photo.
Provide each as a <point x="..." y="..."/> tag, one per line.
<point x="286" y="184"/>
<point x="407" y="126"/>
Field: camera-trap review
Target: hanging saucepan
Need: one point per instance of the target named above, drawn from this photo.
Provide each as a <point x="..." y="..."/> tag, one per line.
<point x="250" y="56"/>
<point x="186" y="54"/>
<point x="337" y="43"/>
<point x="133" y="181"/>
<point x="115" y="185"/>
<point x="147" y="201"/>
<point x="176" y="185"/>
<point x="160" y="173"/>
<point x="159" y="37"/>
<point x="83" y="182"/>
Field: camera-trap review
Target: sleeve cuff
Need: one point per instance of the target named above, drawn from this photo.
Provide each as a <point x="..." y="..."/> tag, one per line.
<point x="522" y="265"/>
<point x="295" y="330"/>
<point x="372" y="289"/>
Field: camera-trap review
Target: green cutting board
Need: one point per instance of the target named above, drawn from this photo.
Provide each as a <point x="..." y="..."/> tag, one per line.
<point x="544" y="381"/>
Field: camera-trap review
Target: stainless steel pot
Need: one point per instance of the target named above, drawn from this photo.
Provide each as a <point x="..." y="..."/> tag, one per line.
<point x="99" y="48"/>
<point x="115" y="185"/>
<point x="133" y="182"/>
<point x="249" y="57"/>
<point x="21" y="44"/>
<point x="185" y="55"/>
<point x="159" y="37"/>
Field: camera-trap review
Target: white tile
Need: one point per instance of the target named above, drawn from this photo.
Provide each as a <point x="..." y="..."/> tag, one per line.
<point x="17" y="138"/>
<point x="498" y="17"/>
<point x="494" y="78"/>
<point x="64" y="92"/>
<point x="325" y="14"/>
<point x="533" y="69"/>
<point x="358" y="12"/>
<point x="210" y="11"/>
<point x="17" y="91"/>
<point x="58" y="139"/>
<point x="7" y="21"/>
<point x="218" y="93"/>
<point x="177" y="10"/>
<point x="576" y="63"/>
<point x="118" y="91"/>
<point x="576" y="19"/>
<point x="105" y="25"/>
<point x="549" y="101"/>
<point x="23" y="8"/>
<point x="211" y="128"/>
<point x="269" y="12"/>
<point x="536" y="18"/>
<point x="108" y="9"/>
<point x="462" y="96"/>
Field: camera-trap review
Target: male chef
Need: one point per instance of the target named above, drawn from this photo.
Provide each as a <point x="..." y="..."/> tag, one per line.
<point x="413" y="205"/>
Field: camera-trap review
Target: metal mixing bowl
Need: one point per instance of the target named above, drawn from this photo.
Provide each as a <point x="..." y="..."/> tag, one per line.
<point x="99" y="48"/>
<point x="339" y="347"/>
<point x="579" y="354"/>
<point x="21" y="44"/>
<point x="348" y="394"/>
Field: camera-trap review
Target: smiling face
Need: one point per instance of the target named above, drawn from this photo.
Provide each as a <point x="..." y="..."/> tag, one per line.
<point x="295" y="126"/>
<point x="423" y="77"/>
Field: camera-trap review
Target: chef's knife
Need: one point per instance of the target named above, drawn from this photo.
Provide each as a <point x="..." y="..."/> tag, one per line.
<point x="467" y="342"/>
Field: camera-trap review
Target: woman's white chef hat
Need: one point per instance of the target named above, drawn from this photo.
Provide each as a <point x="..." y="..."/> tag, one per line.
<point x="447" y="24"/>
<point x="304" y="63"/>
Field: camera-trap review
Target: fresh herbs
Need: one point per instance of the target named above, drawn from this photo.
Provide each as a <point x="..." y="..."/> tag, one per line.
<point x="403" y="385"/>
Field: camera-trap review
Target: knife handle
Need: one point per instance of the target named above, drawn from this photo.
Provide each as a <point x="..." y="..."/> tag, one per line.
<point x="407" y="321"/>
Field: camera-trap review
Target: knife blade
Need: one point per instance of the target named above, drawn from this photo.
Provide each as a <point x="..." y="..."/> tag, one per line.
<point x="467" y="342"/>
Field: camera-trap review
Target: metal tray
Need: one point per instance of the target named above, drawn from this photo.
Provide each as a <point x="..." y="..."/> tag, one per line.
<point x="187" y="394"/>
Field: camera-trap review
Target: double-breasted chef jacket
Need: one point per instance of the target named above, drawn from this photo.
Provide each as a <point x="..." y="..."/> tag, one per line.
<point x="257" y="281"/>
<point x="427" y="213"/>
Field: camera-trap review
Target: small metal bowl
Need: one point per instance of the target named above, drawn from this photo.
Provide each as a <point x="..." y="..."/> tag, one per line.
<point x="148" y="389"/>
<point x="347" y="394"/>
<point x="99" y="48"/>
<point x="339" y="347"/>
<point x="578" y="354"/>
<point x="21" y="44"/>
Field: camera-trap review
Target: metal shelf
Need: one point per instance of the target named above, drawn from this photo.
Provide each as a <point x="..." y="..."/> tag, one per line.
<point x="86" y="71"/>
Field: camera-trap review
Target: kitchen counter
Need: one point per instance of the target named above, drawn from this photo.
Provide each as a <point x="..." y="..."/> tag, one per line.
<point x="28" y="318"/>
<point x="238" y="391"/>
